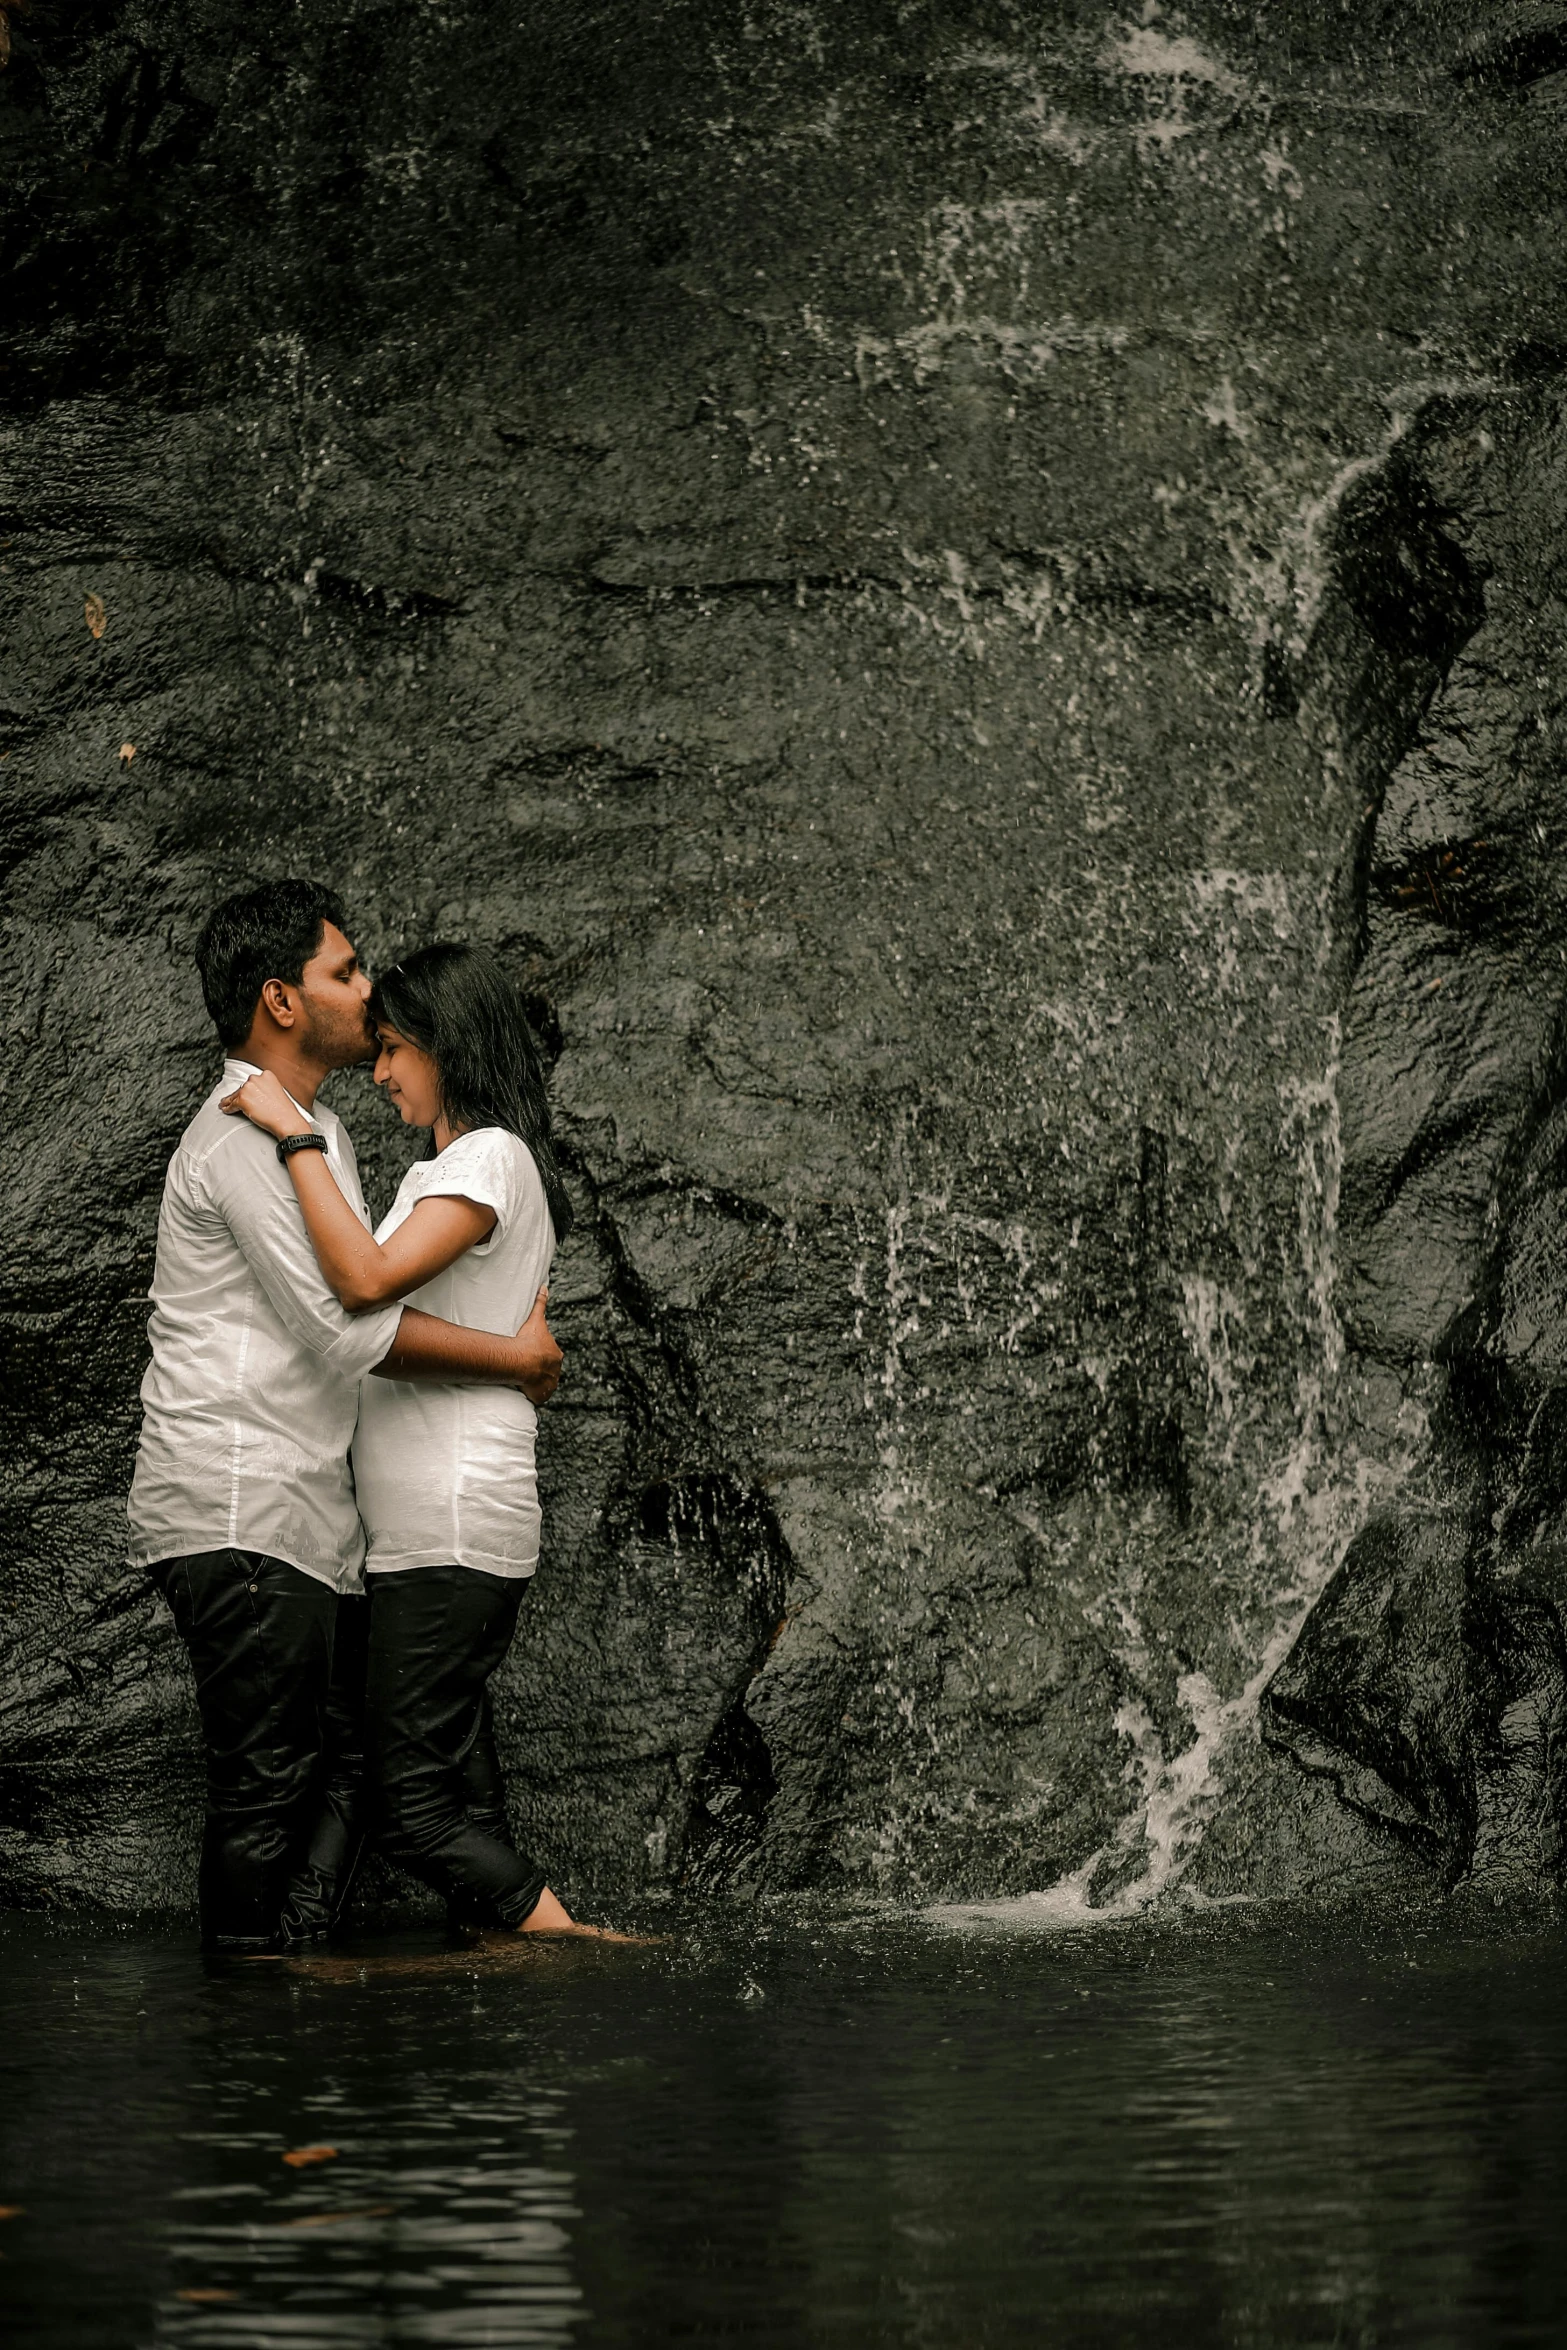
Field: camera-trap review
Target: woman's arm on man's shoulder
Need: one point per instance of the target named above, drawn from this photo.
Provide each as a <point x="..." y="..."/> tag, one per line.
<point x="361" y="1271"/>
<point x="367" y="1272"/>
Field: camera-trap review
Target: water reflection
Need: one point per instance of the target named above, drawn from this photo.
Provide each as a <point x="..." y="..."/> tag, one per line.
<point x="428" y="2230"/>
<point x="790" y="2133"/>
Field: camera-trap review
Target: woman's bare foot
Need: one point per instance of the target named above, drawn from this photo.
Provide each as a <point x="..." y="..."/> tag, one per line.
<point x="552" y="1917"/>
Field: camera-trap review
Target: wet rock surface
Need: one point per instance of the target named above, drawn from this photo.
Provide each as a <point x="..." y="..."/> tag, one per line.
<point x="975" y="603"/>
<point x="1428" y="1684"/>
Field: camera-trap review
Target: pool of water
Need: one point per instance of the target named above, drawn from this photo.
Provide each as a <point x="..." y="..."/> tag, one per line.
<point x="793" y="2130"/>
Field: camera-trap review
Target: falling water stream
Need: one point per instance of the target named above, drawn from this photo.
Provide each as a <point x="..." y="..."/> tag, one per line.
<point x="790" y="2129"/>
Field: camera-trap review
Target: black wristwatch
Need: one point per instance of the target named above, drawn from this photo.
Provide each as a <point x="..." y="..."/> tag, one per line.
<point x="299" y="1142"/>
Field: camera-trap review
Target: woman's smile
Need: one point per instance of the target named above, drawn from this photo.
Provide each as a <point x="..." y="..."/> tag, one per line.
<point x="409" y="1075"/>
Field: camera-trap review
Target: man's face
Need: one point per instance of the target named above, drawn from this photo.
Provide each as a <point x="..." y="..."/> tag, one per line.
<point x="334" y="996"/>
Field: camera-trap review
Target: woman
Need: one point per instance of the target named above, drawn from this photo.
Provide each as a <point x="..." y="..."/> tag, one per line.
<point x="445" y="1475"/>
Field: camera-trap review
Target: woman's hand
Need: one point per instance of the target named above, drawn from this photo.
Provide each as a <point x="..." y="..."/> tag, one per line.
<point x="263" y="1099"/>
<point x="539" y="1358"/>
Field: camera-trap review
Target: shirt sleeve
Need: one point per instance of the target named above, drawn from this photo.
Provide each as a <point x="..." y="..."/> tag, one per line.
<point x="255" y="1198"/>
<point x="489" y="1167"/>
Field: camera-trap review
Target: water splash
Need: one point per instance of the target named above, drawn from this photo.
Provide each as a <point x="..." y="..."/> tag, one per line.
<point x="1309" y="1502"/>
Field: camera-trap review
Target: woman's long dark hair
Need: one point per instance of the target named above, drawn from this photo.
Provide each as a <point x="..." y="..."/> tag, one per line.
<point x="460" y="1006"/>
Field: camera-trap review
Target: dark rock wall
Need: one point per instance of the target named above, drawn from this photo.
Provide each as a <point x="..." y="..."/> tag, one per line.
<point x="1428" y="1686"/>
<point x="970" y="595"/>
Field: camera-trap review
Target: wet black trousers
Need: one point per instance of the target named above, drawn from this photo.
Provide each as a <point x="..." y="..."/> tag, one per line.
<point x="436" y="1636"/>
<point x="279" y="1662"/>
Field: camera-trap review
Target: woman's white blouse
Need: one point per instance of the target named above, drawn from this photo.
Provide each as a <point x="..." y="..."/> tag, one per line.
<point x="445" y="1473"/>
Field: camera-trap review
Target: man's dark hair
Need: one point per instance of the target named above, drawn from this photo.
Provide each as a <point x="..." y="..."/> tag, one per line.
<point x="267" y="933"/>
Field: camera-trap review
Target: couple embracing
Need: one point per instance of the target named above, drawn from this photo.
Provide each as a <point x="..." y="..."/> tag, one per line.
<point x="335" y="1486"/>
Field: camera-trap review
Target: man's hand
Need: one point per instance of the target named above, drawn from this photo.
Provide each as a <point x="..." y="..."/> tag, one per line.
<point x="264" y="1100"/>
<point x="427" y="1348"/>
<point x="539" y="1358"/>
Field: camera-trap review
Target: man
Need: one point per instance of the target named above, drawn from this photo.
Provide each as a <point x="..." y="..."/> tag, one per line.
<point x="242" y="1507"/>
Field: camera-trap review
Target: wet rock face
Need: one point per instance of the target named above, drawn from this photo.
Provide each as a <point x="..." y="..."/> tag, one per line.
<point x="1428" y="1684"/>
<point x="973" y="605"/>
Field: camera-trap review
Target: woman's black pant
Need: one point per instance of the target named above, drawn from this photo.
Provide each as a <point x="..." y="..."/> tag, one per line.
<point x="279" y="1662"/>
<point x="436" y="1636"/>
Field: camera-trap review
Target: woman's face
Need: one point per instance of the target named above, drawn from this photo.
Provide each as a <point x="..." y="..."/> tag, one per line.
<point x="409" y="1075"/>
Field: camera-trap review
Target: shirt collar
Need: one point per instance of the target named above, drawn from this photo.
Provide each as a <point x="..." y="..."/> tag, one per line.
<point x="236" y="1070"/>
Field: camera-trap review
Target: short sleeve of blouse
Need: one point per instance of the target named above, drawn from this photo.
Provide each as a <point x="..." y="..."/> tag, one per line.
<point x="487" y="1166"/>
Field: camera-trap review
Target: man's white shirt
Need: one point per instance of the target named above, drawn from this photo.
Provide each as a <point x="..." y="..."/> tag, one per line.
<point x="252" y="1393"/>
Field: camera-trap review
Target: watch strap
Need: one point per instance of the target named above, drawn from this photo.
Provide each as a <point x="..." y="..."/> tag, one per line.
<point x="299" y="1142"/>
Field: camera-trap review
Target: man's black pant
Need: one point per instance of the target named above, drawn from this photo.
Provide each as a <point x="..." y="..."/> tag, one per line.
<point x="436" y="1636"/>
<point x="279" y="1663"/>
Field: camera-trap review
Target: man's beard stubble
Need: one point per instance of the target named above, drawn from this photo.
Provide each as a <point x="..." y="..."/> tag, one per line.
<point x="336" y="1041"/>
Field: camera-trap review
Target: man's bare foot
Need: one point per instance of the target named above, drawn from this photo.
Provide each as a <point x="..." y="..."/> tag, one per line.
<point x="552" y="1917"/>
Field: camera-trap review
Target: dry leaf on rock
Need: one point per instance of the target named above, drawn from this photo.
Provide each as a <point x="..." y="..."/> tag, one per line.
<point x="96" y="614"/>
<point x="298" y="2156"/>
<point x="127" y="753"/>
<point x="12" y="2210"/>
<point x="205" y="2293"/>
